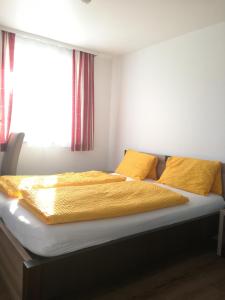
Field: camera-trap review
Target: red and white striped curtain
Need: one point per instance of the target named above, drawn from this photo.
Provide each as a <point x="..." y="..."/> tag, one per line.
<point x="83" y="102"/>
<point x="7" y="43"/>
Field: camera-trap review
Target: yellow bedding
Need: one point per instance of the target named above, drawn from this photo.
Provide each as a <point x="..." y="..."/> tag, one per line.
<point x="12" y="185"/>
<point x="83" y="203"/>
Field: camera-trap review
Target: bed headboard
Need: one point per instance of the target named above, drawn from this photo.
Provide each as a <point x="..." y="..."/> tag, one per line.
<point x="161" y="164"/>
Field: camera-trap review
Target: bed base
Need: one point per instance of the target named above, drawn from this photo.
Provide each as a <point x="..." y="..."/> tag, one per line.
<point x="30" y="277"/>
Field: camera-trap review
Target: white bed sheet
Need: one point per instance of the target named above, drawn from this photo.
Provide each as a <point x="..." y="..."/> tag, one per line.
<point x="52" y="240"/>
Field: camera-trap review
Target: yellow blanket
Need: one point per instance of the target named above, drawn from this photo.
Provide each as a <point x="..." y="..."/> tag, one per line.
<point x="12" y="185"/>
<point x="83" y="203"/>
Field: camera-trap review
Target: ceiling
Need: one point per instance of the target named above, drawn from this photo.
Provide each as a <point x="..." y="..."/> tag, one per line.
<point x="111" y="26"/>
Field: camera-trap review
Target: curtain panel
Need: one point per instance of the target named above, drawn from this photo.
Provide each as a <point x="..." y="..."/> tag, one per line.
<point x="82" y="102"/>
<point x="7" y="43"/>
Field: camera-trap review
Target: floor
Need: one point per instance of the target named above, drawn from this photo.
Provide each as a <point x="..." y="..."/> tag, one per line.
<point x="198" y="277"/>
<point x="3" y="293"/>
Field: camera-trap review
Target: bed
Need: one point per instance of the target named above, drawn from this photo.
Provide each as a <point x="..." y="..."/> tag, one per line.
<point x="86" y="254"/>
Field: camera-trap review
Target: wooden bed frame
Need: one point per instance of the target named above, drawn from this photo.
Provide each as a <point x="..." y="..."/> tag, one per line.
<point x="29" y="277"/>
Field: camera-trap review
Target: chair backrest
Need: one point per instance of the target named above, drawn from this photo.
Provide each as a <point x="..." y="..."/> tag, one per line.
<point x="11" y="155"/>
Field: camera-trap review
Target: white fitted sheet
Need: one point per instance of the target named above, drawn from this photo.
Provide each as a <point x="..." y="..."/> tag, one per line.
<point x="52" y="240"/>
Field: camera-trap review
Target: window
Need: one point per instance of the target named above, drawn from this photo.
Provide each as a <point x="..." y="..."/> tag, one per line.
<point x="42" y="93"/>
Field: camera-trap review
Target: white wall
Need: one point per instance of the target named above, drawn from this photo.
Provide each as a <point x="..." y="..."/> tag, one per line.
<point x="114" y="110"/>
<point x="51" y="160"/>
<point x="172" y="98"/>
<point x="168" y="99"/>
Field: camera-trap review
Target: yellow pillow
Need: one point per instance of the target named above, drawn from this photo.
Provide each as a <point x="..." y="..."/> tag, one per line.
<point x="190" y="174"/>
<point x="217" y="185"/>
<point x="136" y="164"/>
<point x="153" y="171"/>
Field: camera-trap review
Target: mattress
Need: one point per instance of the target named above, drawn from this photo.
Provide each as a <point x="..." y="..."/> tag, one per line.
<point x="52" y="240"/>
<point x="2" y="203"/>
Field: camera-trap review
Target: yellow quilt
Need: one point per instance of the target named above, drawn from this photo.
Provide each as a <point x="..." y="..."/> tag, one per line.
<point x="12" y="185"/>
<point x="83" y="203"/>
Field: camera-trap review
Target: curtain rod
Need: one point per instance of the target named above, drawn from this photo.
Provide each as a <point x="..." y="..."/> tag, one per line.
<point x="45" y="40"/>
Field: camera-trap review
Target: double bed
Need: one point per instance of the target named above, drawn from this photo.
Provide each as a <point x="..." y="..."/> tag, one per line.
<point x="39" y="261"/>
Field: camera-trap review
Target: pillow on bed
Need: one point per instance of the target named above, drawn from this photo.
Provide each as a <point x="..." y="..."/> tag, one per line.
<point x="153" y="171"/>
<point x="190" y="174"/>
<point x="217" y="185"/>
<point x="136" y="164"/>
